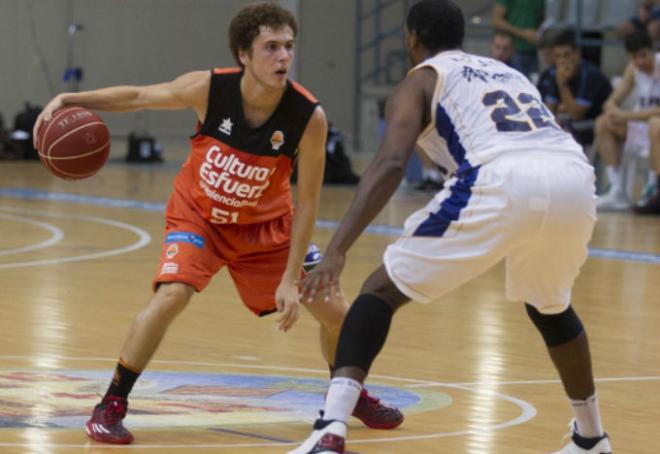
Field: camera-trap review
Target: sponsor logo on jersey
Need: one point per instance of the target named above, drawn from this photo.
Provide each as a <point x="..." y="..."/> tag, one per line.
<point x="172" y="250"/>
<point x="226" y="126"/>
<point x="169" y="268"/>
<point x="230" y="181"/>
<point x="277" y="140"/>
<point x="185" y="237"/>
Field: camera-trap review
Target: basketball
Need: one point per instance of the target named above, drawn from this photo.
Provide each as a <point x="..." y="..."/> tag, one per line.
<point x="74" y="144"/>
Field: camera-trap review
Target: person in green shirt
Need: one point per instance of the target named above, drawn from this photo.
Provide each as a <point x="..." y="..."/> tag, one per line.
<point x="522" y="19"/>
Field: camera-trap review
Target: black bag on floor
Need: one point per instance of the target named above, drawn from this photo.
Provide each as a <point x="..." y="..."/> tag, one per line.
<point x="8" y="148"/>
<point x="143" y="148"/>
<point x="24" y="121"/>
<point x="338" y="168"/>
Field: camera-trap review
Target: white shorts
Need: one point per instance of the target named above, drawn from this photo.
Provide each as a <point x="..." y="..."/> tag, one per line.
<point x="537" y="211"/>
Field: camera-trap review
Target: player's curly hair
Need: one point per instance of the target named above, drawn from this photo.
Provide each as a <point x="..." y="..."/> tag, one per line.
<point x="245" y="26"/>
<point x="439" y="24"/>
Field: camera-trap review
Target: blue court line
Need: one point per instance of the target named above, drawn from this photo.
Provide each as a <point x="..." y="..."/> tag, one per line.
<point x="37" y="194"/>
<point x="386" y="230"/>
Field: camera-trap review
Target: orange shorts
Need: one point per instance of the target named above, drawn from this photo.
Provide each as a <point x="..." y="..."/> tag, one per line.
<point x="194" y="250"/>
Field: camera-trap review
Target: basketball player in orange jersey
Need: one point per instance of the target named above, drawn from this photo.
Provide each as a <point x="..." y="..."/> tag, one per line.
<point x="231" y="203"/>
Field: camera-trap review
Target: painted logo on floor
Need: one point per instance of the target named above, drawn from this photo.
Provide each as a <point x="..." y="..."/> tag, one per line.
<point x="65" y="399"/>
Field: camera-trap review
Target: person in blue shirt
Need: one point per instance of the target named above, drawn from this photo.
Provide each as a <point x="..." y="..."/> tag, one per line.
<point x="574" y="89"/>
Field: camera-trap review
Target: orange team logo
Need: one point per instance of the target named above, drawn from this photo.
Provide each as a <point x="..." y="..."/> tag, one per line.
<point x="277" y="140"/>
<point x="172" y="251"/>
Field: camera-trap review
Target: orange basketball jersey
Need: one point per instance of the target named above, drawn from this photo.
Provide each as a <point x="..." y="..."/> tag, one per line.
<point x="236" y="174"/>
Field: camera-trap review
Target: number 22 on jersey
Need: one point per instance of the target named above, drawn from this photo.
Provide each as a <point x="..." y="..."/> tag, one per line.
<point x="528" y="111"/>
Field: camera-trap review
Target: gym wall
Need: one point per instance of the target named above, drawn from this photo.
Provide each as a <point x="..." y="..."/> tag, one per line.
<point x="149" y="41"/>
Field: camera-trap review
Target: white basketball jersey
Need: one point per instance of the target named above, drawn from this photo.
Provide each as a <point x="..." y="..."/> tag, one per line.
<point x="482" y="108"/>
<point x="648" y="87"/>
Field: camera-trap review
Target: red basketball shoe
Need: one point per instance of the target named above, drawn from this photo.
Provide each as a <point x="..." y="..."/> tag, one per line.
<point x="375" y="413"/>
<point x="328" y="437"/>
<point x="105" y="425"/>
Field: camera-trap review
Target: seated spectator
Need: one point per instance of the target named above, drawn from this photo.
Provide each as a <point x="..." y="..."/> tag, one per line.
<point x="501" y="48"/>
<point x="545" y="48"/>
<point x="650" y="202"/>
<point x="574" y="89"/>
<point x="612" y="126"/>
<point x="647" y="18"/>
<point x="522" y="19"/>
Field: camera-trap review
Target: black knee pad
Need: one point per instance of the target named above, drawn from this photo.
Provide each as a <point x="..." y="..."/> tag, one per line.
<point x="364" y="332"/>
<point x="556" y="329"/>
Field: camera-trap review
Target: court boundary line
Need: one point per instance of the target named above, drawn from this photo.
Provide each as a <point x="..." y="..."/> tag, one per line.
<point x="376" y="229"/>
<point x="144" y="238"/>
<point x="528" y="410"/>
<point x="56" y="235"/>
<point x="541" y="382"/>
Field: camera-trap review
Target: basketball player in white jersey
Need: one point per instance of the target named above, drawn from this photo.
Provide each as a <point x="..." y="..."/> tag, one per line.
<point x="522" y="191"/>
<point x="642" y="73"/>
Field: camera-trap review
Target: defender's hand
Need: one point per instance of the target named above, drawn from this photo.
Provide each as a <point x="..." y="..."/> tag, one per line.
<point x="287" y="298"/>
<point x="323" y="280"/>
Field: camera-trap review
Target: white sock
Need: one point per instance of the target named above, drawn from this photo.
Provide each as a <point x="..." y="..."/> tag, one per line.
<point x="341" y="399"/>
<point x="587" y="417"/>
<point x="614" y="176"/>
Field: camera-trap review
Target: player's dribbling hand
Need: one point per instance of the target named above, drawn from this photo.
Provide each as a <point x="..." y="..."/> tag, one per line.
<point x="323" y="280"/>
<point x="287" y="298"/>
<point x="45" y="116"/>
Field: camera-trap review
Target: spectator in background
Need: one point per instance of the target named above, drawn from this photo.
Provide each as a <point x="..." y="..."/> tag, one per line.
<point x="522" y="19"/>
<point x="574" y="89"/>
<point x="545" y="48"/>
<point x="612" y="126"/>
<point x="647" y="18"/>
<point x="501" y="48"/>
<point x="651" y="206"/>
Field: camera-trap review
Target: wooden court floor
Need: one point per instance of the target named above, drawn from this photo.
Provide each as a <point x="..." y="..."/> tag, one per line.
<point x="469" y="371"/>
